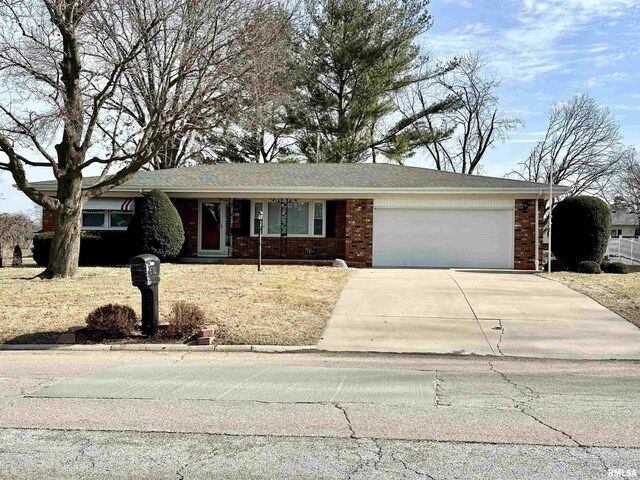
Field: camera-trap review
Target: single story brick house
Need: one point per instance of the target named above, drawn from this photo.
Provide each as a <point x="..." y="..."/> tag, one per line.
<point x="378" y="215"/>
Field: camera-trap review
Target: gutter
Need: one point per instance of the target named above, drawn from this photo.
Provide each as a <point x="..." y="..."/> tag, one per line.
<point x="361" y="192"/>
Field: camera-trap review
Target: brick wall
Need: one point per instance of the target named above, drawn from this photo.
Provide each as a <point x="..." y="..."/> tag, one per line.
<point x="48" y="221"/>
<point x="293" y="248"/>
<point x="359" y="232"/>
<point x="188" y="210"/>
<point x="525" y="234"/>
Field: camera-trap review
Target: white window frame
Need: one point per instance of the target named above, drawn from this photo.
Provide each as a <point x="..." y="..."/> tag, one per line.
<point x="107" y="220"/>
<point x="310" y="220"/>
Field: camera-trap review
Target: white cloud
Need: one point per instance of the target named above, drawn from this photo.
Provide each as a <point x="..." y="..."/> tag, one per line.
<point x="532" y="45"/>
<point x="609" y="78"/>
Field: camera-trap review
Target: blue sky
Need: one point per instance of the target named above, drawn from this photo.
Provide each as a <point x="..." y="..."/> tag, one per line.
<point x="544" y="51"/>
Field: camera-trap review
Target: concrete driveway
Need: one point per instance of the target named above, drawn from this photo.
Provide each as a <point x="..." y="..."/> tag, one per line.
<point x="474" y="312"/>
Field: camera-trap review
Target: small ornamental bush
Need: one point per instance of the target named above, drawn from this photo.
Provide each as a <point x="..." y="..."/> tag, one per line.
<point x="185" y="320"/>
<point x="616" y="267"/>
<point x="156" y="227"/>
<point x="581" y="230"/>
<point x="588" y="266"/>
<point x="111" y="321"/>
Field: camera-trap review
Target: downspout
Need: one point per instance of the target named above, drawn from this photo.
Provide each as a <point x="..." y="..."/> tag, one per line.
<point x="538" y="231"/>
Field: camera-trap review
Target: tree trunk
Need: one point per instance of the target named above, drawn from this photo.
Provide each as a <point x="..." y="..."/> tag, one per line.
<point x="65" y="246"/>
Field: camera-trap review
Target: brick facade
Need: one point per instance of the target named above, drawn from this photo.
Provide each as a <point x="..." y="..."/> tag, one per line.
<point x="292" y="248"/>
<point x="48" y="221"/>
<point x="188" y="211"/>
<point x="350" y="237"/>
<point x="359" y="232"/>
<point x="525" y="234"/>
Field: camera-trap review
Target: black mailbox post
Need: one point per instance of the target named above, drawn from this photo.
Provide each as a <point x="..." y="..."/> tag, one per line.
<point x="145" y="274"/>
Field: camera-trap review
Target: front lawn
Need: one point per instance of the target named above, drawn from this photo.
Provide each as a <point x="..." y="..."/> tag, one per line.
<point x="619" y="293"/>
<point x="283" y="305"/>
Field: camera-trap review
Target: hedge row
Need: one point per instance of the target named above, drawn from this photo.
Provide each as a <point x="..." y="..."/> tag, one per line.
<point x="96" y="248"/>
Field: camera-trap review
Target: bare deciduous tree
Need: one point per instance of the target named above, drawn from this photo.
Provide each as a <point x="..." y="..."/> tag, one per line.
<point x="583" y="143"/>
<point x="15" y="228"/>
<point x="474" y="126"/>
<point x="627" y="190"/>
<point x="260" y="131"/>
<point x="207" y="53"/>
<point x="67" y="69"/>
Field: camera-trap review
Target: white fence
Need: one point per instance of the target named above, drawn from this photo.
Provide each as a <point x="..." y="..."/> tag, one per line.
<point x="627" y="250"/>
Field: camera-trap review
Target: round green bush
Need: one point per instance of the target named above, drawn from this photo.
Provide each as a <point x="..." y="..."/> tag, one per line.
<point x="156" y="227"/>
<point x="616" y="267"/>
<point x="588" y="266"/>
<point x="581" y="230"/>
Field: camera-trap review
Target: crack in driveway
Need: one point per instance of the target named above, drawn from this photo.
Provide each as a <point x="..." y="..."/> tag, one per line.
<point x="474" y="313"/>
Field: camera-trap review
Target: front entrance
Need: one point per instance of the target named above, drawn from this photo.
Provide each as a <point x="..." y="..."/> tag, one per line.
<point x="211" y="228"/>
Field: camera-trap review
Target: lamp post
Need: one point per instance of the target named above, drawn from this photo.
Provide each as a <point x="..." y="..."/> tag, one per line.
<point x="260" y="220"/>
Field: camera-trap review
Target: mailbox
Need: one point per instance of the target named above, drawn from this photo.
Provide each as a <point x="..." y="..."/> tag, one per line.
<point x="145" y="274"/>
<point x="145" y="270"/>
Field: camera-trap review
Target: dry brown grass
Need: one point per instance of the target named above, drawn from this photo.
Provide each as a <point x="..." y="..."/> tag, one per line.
<point x="283" y="305"/>
<point x="619" y="293"/>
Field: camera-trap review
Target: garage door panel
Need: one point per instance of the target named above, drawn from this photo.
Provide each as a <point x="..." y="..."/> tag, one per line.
<point x="443" y="238"/>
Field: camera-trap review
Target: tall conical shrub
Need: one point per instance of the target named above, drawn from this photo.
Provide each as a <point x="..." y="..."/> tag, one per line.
<point x="156" y="227"/>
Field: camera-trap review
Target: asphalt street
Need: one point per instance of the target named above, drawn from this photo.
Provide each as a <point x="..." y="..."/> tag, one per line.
<point x="315" y="415"/>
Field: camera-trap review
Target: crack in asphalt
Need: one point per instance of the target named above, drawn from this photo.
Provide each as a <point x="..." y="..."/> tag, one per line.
<point x="437" y="389"/>
<point x="346" y="417"/>
<point x="179" y="472"/>
<point x="181" y="359"/>
<point x="523" y="407"/>
<point x="406" y="466"/>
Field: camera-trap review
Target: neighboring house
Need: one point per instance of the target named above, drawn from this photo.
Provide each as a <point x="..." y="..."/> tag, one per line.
<point x="624" y="224"/>
<point x="377" y="215"/>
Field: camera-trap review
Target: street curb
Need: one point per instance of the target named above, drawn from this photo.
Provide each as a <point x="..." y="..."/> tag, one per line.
<point x="160" y="347"/>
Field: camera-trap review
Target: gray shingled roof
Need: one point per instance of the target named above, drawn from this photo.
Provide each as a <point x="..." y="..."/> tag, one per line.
<point x="312" y="176"/>
<point x="624" y="218"/>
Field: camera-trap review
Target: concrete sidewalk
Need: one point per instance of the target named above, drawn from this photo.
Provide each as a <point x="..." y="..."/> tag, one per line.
<point x="474" y="312"/>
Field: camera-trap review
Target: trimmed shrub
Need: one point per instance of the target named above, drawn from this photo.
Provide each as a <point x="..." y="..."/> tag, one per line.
<point x="588" y="266"/>
<point x="96" y="248"/>
<point x="156" y="227"/>
<point x="556" y="266"/>
<point x="185" y="320"/>
<point x="581" y="230"/>
<point x="615" y="267"/>
<point x="111" y="321"/>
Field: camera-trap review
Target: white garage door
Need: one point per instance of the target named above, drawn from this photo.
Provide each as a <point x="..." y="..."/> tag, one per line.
<point x="442" y="238"/>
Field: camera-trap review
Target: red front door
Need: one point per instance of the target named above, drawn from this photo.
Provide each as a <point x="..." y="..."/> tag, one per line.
<point x="211" y="226"/>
